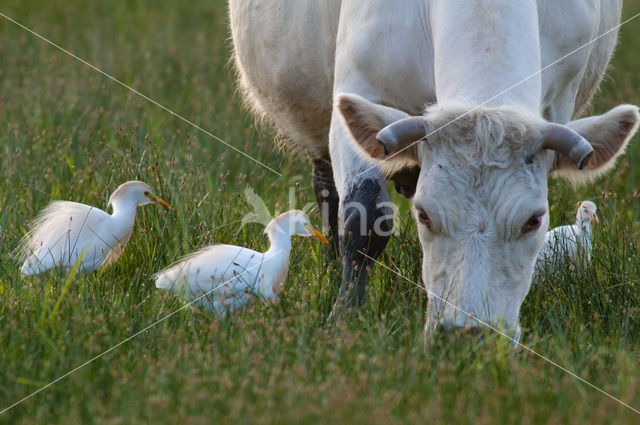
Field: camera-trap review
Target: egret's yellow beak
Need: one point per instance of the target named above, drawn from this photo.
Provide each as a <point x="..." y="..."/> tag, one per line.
<point x="157" y="200"/>
<point x="593" y="216"/>
<point x="316" y="233"/>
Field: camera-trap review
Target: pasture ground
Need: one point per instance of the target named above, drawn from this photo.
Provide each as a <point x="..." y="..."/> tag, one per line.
<point x="68" y="132"/>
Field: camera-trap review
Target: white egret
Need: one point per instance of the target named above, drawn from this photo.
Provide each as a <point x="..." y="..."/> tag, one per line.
<point x="227" y="277"/>
<point x="572" y="242"/>
<point x="66" y="231"/>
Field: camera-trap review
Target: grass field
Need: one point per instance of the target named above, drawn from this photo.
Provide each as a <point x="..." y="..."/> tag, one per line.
<point x="67" y="132"/>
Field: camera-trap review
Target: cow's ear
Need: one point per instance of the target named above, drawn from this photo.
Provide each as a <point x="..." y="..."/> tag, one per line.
<point x="365" y="120"/>
<point x="608" y="134"/>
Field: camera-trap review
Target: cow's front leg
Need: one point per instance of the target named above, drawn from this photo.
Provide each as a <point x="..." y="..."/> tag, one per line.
<point x="365" y="213"/>
<point x="327" y="198"/>
<point x="367" y="222"/>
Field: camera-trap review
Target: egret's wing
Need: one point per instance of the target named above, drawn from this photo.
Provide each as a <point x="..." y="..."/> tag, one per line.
<point x="546" y="251"/>
<point x="117" y="249"/>
<point x="568" y="241"/>
<point x="59" y="235"/>
<point x="226" y="275"/>
<point x="562" y="241"/>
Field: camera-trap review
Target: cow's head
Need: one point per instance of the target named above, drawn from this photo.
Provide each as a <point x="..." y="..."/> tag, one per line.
<point x="481" y="196"/>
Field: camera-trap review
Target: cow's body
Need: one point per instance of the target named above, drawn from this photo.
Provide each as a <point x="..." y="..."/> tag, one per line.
<point x="286" y="53"/>
<point x="296" y="57"/>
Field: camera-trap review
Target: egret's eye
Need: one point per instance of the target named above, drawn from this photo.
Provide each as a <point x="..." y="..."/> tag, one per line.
<point x="424" y="219"/>
<point x="533" y="223"/>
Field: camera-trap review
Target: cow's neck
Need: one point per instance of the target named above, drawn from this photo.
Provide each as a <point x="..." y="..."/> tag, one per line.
<point x="483" y="48"/>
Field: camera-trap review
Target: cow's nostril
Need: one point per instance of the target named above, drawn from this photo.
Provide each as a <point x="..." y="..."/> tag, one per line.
<point x="474" y="331"/>
<point x="454" y="334"/>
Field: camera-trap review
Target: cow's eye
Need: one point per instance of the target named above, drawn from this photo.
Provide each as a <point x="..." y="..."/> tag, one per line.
<point x="533" y="223"/>
<point x="424" y="219"/>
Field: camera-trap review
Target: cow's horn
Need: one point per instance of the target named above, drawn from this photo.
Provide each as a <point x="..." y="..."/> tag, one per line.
<point x="399" y="134"/>
<point x="562" y="139"/>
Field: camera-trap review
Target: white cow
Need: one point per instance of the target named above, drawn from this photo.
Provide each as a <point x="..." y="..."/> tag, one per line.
<point x="354" y="82"/>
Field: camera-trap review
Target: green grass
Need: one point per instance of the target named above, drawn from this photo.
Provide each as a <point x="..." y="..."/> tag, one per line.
<point x="66" y="132"/>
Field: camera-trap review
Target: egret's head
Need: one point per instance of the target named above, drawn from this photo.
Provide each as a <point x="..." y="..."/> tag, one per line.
<point x="294" y="222"/>
<point x="586" y="212"/>
<point x="136" y="192"/>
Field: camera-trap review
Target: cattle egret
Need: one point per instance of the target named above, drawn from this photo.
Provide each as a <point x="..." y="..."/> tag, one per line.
<point x="67" y="231"/>
<point x="226" y="277"/>
<point x="572" y="241"/>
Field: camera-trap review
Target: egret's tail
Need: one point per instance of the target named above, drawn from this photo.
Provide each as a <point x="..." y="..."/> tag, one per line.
<point x="164" y="280"/>
<point x="170" y="278"/>
<point x="28" y="269"/>
<point x="31" y="266"/>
